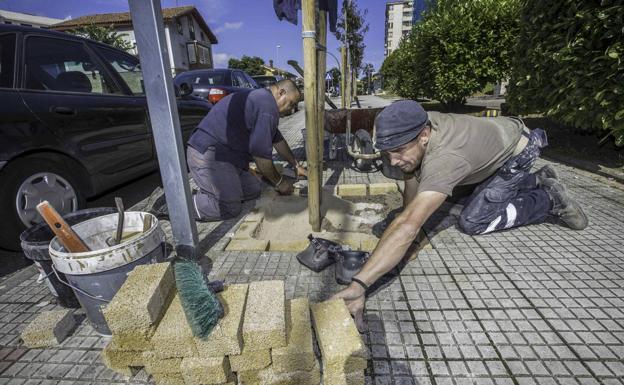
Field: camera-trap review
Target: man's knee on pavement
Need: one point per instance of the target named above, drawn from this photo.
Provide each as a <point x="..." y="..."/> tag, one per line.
<point x="466" y="226"/>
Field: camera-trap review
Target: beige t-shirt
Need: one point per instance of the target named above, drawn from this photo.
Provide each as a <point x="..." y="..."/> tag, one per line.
<point x="466" y="149"/>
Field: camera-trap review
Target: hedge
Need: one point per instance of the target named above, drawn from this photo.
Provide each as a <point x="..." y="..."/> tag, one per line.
<point x="455" y="50"/>
<point x="569" y="63"/>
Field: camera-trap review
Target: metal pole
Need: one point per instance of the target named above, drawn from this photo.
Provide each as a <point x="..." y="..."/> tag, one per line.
<point x="310" y="92"/>
<point x="149" y="31"/>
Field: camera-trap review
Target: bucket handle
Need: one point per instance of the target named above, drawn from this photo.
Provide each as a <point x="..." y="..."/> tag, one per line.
<point x="77" y="289"/>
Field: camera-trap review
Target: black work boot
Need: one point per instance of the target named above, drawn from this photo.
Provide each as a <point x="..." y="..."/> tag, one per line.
<point x="546" y="172"/>
<point x="564" y="207"/>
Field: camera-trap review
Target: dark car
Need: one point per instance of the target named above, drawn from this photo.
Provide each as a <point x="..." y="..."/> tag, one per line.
<point x="73" y="123"/>
<point x="215" y="84"/>
<point x="266" y="80"/>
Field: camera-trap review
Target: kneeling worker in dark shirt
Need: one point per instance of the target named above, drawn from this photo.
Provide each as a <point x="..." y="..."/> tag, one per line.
<point x="239" y="129"/>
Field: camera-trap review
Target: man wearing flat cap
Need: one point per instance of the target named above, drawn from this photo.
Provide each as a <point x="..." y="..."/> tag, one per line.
<point x="436" y="152"/>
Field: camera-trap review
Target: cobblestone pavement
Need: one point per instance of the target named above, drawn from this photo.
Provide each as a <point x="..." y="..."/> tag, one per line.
<point x="536" y="305"/>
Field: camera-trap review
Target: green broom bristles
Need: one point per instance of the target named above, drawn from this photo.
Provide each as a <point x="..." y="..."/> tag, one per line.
<point x="201" y="306"/>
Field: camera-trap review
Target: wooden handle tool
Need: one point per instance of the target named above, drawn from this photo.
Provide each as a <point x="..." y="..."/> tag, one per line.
<point x="120" y="219"/>
<point x="68" y="238"/>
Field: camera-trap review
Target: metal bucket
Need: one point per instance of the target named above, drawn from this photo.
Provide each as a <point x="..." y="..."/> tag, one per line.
<point x="97" y="275"/>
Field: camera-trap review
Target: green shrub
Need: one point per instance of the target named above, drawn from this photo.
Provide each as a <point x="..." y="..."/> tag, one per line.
<point x="569" y="63"/>
<point x="455" y="50"/>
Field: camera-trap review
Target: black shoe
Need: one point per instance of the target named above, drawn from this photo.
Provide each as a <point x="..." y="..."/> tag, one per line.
<point x="349" y="264"/>
<point x="564" y="207"/>
<point x="546" y="172"/>
<point x="317" y="256"/>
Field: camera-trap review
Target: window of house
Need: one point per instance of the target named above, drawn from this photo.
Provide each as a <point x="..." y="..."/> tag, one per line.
<point x="191" y="26"/>
<point x="7" y="60"/>
<point x="179" y="26"/>
<point x="62" y="65"/>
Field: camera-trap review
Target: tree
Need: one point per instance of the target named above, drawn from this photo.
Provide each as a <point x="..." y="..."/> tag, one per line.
<point x="106" y="35"/>
<point x="356" y="29"/>
<point x="252" y="65"/>
<point x="368" y="71"/>
<point x="455" y="50"/>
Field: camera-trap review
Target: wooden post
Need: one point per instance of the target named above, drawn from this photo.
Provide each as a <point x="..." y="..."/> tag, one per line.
<point x="343" y="77"/>
<point x="354" y="85"/>
<point x="311" y="94"/>
<point x="321" y="68"/>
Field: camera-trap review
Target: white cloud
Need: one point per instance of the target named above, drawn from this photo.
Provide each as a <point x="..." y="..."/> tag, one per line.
<point x="221" y="60"/>
<point x="230" y="26"/>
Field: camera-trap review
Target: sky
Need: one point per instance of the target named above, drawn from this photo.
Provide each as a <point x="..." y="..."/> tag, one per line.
<point x="243" y="27"/>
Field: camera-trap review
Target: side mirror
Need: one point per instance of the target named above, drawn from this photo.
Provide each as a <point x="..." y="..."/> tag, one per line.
<point x="185" y="89"/>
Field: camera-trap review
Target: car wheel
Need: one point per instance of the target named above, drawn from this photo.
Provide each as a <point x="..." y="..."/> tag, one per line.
<point x="26" y="183"/>
<point x="363" y="144"/>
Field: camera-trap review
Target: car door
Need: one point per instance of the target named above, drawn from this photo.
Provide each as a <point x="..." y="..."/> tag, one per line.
<point x="16" y="129"/>
<point x="68" y="89"/>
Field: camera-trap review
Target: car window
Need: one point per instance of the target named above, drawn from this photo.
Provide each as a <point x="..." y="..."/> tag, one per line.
<point x="127" y="67"/>
<point x="61" y="65"/>
<point x="211" y="78"/>
<point x="252" y="83"/>
<point x="241" y="80"/>
<point x="7" y="60"/>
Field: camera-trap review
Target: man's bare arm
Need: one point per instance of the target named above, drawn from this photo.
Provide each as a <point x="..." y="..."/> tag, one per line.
<point x="268" y="170"/>
<point x="284" y="151"/>
<point x="410" y="190"/>
<point x="399" y="236"/>
<point x="390" y="250"/>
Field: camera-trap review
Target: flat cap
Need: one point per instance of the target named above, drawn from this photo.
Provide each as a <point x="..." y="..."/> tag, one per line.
<point x="399" y="123"/>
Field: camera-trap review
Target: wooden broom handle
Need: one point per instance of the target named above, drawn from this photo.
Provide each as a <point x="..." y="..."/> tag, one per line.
<point x="68" y="238"/>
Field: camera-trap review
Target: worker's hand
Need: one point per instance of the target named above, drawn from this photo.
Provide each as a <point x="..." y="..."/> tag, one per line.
<point x="354" y="297"/>
<point x="285" y="187"/>
<point x="302" y="172"/>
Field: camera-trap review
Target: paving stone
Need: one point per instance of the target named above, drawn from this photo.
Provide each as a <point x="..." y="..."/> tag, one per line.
<point x="121" y="361"/>
<point x="153" y="364"/>
<point x="264" y="324"/>
<point x="169" y="379"/>
<point x="269" y="376"/>
<point x="227" y="337"/>
<point x="342" y="349"/>
<point x="49" y="328"/>
<point x="205" y="370"/>
<point x="292" y="246"/>
<point x="174" y="337"/>
<point x="250" y="360"/>
<point x="337" y="378"/>
<point x="248" y="245"/>
<point x="298" y="354"/>
<point x="382" y="188"/>
<point x="351" y="190"/>
<point x="246" y="230"/>
<point x="145" y="295"/>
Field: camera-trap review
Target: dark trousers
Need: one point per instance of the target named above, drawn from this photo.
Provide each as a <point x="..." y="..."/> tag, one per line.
<point x="511" y="197"/>
<point x="222" y="186"/>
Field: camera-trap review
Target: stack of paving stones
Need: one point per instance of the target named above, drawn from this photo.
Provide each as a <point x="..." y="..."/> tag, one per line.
<point x="263" y="339"/>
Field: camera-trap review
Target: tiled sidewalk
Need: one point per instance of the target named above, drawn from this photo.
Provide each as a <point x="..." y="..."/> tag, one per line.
<point x="536" y="305"/>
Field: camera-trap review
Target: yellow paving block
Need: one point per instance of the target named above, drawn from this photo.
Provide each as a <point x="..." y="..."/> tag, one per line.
<point x="246" y="230"/>
<point x="174" y="337"/>
<point x="155" y="365"/>
<point x="205" y="370"/>
<point x="49" y="328"/>
<point x="351" y="190"/>
<point x="264" y="323"/>
<point x="119" y="360"/>
<point x="227" y="336"/>
<point x="247" y="245"/>
<point x="341" y="346"/>
<point x="250" y="360"/>
<point x="382" y="188"/>
<point x="295" y="245"/>
<point x="298" y="354"/>
<point x="353" y="378"/>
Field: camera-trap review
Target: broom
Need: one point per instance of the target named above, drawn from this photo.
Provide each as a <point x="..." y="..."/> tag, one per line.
<point x="201" y="306"/>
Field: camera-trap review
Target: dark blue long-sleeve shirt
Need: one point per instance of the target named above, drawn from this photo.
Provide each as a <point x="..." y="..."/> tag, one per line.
<point x="239" y="127"/>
